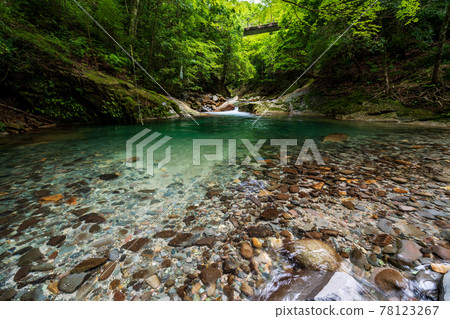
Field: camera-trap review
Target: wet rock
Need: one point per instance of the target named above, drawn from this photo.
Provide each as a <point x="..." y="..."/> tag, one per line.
<point x="209" y="275"/>
<point x="56" y="240"/>
<point x="409" y="251"/>
<point x="32" y="295"/>
<point x="206" y="241"/>
<point x="30" y="256"/>
<point x="92" y="218"/>
<point x="28" y="223"/>
<point x="348" y="204"/>
<point x="88" y="264"/>
<point x="440" y="268"/>
<point x="108" y="177"/>
<point x="42" y="267"/>
<point x="153" y="282"/>
<point x="94" y="229"/>
<point x="51" y="199"/>
<point x="340" y="287"/>
<point x="313" y="254"/>
<point x="181" y="239"/>
<point x="335" y="138"/>
<point x="259" y="231"/>
<point x="114" y="255"/>
<point x="106" y="241"/>
<point x="390" y="279"/>
<point x="358" y="258"/>
<point x="230" y="267"/>
<point x="22" y="273"/>
<point x="270" y="214"/>
<point x="165" y="234"/>
<point x="119" y="296"/>
<point x="382" y="240"/>
<point x="445" y="288"/>
<point x="256" y="243"/>
<point x="247" y="290"/>
<point x="71" y="282"/>
<point x="440" y="251"/>
<point x="246" y="250"/>
<point x="427" y="282"/>
<point x="8" y="294"/>
<point x="136" y="244"/>
<point x="385" y="225"/>
<point x="81" y="211"/>
<point x="399" y="180"/>
<point x="107" y="271"/>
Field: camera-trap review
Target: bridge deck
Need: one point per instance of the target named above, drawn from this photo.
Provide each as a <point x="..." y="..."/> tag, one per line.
<point x="264" y="28"/>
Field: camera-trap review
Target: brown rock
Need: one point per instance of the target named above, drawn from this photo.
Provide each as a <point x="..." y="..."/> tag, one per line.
<point x="180" y="239"/>
<point x="313" y="254"/>
<point x="206" y="241"/>
<point x="136" y="244"/>
<point x="286" y="233"/>
<point x="28" y="223"/>
<point x="259" y="231"/>
<point x="390" y="279"/>
<point x="107" y="270"/>
<point x="51" y="199"/>
<point x="335" y="138"/>
<point x="165" y="234"/>
<point x="382" y="240"/>
<point x="210" y="275"/>
<point x="246" y="250"/>
<point x="247" y="290"/>
<point x="166" y="263"/>
<point x="409" y="251"/>
<point x="283" y="197"/>
<point x="270" y="214"/>
<point x="92" y="218"/>
<point x="294" y="189"/>
<point x="88" y="264"/>
<point x="119" y="296"/>
<point x="53" y="287"/>
<point x="114" y="284"/>
<point x="56" y="240"/>
<point x="440" y="251"/>
<point x="22" y="273"/>
<point x="348" y="204"/>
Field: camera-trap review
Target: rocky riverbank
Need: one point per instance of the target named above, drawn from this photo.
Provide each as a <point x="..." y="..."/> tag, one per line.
<point x="377" y="213"/>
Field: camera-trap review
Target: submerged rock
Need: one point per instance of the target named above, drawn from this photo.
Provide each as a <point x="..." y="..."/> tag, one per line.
<point x="71" y="282"/>
<point x="336" y="138"/>
<point x="210" y="275"/>
<point x="445" y="288"/>
<point x="313" y="254"/>
<point x="390" y="279"/>
<point x="30" y="256"/>
<point x="88" y="265"/>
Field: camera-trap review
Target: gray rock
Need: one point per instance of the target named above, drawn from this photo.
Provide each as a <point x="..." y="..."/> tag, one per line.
<point x="70" y="283"/>
<point x="31" y="255"/>
<point x="43" y="267"/>
<point x="385" y="225"/>
<point x="33" y="295"/>
<point x="427" y="283"/>
<point x="341" y="287"/>
<point x="445" y="288"/>
<point x="409" y="251"/>
<point x="114" y="255"/>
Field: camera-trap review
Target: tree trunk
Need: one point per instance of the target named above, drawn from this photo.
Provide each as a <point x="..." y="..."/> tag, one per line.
<point x="385" y="69"/>
<point x="436" y="79"/>
<point x="134" y="18"/>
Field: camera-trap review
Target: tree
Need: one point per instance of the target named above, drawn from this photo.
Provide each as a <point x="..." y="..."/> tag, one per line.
<point x="436" y="79"/>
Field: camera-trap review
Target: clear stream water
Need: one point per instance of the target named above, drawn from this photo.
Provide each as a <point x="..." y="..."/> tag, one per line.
<point x="52" y="159"/>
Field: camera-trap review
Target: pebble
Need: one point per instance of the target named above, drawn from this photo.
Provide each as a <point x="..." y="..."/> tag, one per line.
<point x="71" y="282"/>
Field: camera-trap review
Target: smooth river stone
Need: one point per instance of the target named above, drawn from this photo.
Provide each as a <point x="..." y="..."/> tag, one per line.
<point x="409" y="251"/>
<point x="88" y="265"/>
<point x="30" y="256"/>
<point x="70" y="283"/>
<point x="313" y="254"/>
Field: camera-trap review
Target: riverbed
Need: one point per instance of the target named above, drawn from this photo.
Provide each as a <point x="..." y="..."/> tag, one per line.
<point x="80" y="221"/>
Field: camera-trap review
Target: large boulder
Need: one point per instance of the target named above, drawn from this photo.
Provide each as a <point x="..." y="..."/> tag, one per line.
<point x="313" y="254"/>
